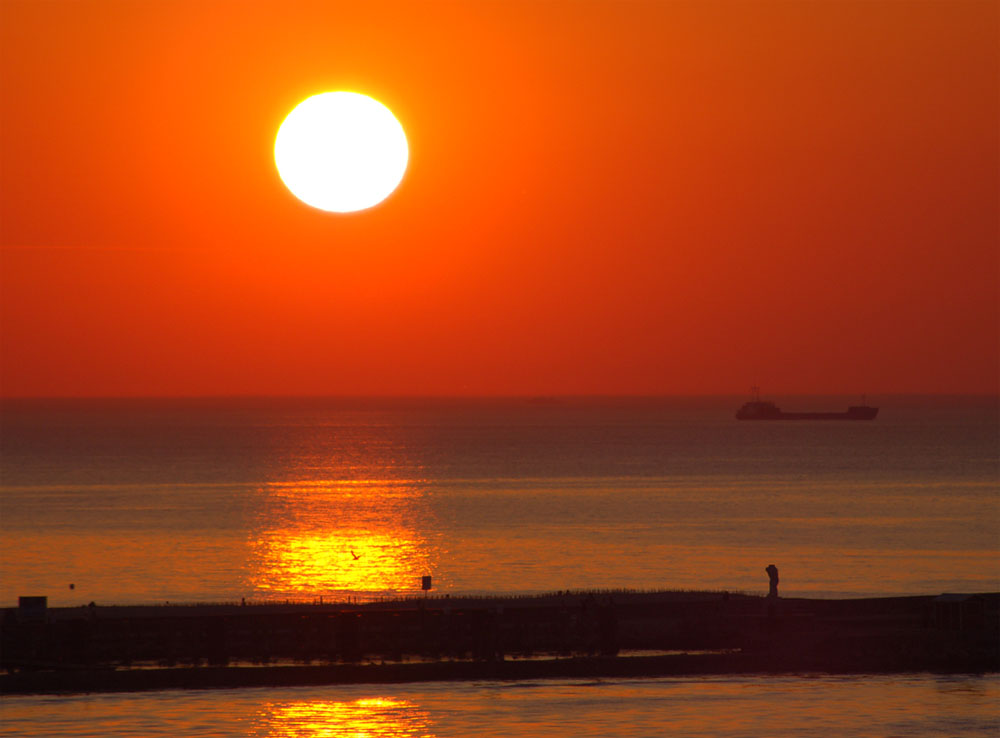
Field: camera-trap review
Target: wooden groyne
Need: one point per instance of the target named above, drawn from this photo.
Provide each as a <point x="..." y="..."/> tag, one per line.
<point x="625" y="634"/>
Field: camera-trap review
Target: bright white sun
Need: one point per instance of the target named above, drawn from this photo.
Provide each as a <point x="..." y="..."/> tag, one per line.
<point x="341" y="151"/>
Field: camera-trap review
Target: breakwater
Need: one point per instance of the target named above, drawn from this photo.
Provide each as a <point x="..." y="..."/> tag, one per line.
<point x="98" y="648"/>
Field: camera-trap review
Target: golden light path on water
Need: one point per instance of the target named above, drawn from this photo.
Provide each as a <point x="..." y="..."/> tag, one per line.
<point x="376" y="716"/>
<point x="336" y="539"/>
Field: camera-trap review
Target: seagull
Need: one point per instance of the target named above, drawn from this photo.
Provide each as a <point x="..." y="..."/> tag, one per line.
<point x="356" y="557"/>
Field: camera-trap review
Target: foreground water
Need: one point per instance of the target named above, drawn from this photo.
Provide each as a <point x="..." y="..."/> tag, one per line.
<point x="912" y="706"/>
<point x="152" y="501"/>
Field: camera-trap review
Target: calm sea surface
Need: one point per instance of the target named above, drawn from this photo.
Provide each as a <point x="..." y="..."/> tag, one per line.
<point x="216" y="500"/>
<point x="908" y="706"/>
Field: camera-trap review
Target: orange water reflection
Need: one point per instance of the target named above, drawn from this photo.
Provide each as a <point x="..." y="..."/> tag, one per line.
<point x="358" y="719"/>
<point x="336" y="539"/>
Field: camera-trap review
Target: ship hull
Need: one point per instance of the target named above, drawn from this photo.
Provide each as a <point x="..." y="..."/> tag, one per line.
<point x="812" y="416"/>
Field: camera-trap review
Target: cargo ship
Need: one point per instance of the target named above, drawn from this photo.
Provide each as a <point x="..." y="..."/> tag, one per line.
<point x="758" y="409"/>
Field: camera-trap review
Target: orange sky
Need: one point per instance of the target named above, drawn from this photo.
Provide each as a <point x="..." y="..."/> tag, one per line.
<point x="602" y="197"/>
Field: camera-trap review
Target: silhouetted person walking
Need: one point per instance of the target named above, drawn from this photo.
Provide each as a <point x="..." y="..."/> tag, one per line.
<point x="772" y="573"/>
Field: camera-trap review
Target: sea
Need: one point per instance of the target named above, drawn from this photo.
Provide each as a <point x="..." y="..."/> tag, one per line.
<point x="122" y="501"/>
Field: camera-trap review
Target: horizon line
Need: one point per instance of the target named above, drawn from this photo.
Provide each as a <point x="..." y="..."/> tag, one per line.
<point x="485" y="396"/>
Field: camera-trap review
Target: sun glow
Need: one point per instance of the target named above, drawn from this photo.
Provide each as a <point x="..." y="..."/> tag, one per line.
<point x="345" y="562"/>
<point x="341" y="151"/>
<point x="340" y="539"/>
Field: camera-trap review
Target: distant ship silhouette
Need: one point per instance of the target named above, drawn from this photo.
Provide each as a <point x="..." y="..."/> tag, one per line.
<point x="758" y="409"/>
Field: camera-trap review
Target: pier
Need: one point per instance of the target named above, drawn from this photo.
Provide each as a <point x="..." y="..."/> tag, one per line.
<point x="580" y="634"/>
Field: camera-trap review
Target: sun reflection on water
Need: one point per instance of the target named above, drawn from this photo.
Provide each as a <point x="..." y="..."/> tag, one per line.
<point x="340" y="539"/>
<point x="377" y="716"/>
